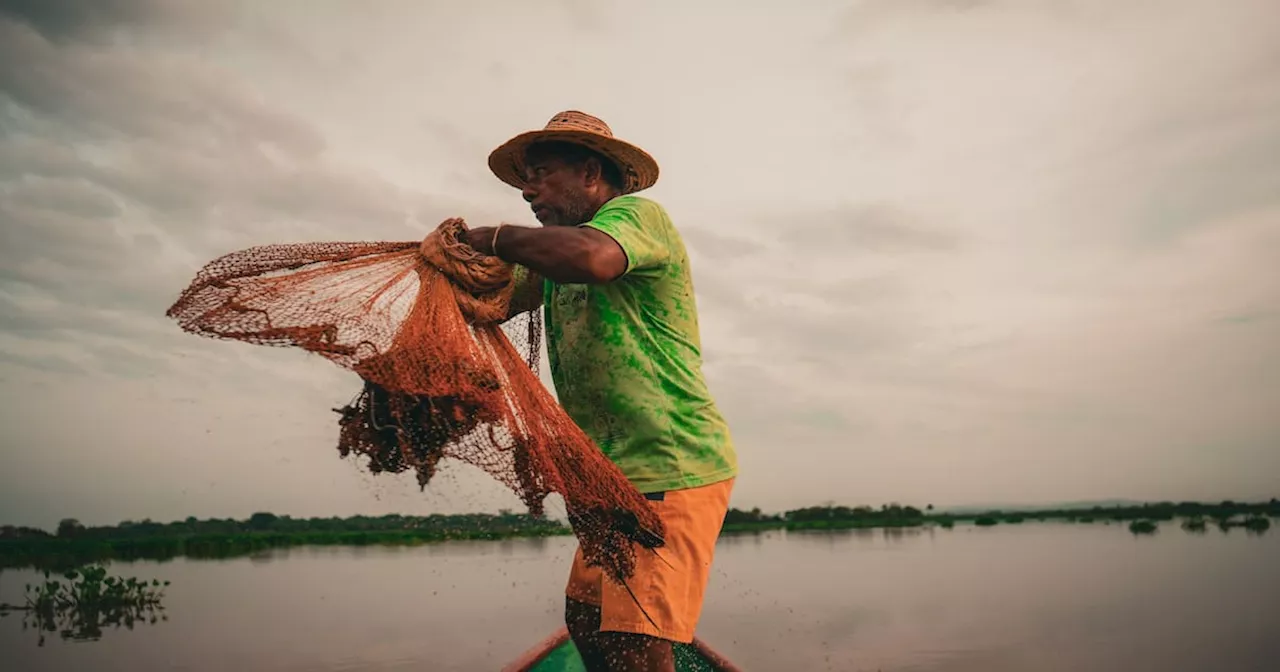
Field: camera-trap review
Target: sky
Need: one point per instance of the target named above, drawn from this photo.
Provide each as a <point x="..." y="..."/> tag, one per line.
<point x="945" y="251"/>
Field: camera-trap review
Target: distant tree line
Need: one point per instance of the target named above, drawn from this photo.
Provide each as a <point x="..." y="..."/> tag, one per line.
<point x="73" y="544"/>
<point x="71" y="528"/>
<point x="888" y="515"/>
<point x="895" y="515"/>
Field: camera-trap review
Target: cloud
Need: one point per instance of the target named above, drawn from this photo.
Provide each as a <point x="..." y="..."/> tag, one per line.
<point x="65" y="196"/>
<point x="156" y="169"/>
<point x="42" y="363"/>
<point x="871" y="14"/>
<point x="716" y="246"/>
<point x="866" y="229"/>
<point x="61" y="20"/>
<point x="942" y="250"/>
<point x="818" y="293"/>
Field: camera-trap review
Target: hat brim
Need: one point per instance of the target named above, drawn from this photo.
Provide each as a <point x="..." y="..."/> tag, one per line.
<point x="639" y="170"/>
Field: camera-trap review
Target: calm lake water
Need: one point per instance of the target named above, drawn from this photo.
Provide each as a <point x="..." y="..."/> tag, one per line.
<point x="1042" y="597"/>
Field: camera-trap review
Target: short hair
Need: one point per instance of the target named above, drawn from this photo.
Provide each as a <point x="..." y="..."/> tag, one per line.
<point x="576" y="155"/>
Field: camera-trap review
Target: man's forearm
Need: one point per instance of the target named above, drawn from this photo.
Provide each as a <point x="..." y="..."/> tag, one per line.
<point x="561" y="254"/>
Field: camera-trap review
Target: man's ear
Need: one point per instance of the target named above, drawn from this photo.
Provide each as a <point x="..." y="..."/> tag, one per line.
<point x="593" y="171"/>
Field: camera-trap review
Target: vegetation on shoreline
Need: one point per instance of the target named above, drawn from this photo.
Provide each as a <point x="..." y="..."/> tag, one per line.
<point x="1226" y="515"/>
<point x="73" y="544"/>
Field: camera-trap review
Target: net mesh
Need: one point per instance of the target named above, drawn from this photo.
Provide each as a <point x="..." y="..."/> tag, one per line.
<point x="425" y="326"/>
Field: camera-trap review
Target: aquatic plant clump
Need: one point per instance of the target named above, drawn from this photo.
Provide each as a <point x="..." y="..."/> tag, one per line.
<point x="1143" y="527"/>
<point x="426" y="327"/>
<point x="84" y="602"/>
<point x="1256" y="523"/>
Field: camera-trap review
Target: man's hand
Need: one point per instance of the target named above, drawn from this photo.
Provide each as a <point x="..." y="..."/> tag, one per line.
<point x="480" y="238"/>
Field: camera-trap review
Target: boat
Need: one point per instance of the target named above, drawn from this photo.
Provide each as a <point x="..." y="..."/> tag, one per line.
<point x="558" y="654"/>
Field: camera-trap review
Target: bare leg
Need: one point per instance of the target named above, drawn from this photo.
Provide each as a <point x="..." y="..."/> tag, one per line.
<point x="637" y="653"/>
<point x="583" y="621"/>
<point x="614" y="651"/>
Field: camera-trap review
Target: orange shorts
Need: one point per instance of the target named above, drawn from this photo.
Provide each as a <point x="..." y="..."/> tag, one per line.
<point x="670" y="592"/>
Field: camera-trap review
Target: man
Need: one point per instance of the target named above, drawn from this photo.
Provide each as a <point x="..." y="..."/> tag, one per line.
<point x="612" y="277"/>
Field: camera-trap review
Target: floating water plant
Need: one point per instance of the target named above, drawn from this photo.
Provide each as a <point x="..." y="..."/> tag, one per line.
<point x="1143" y="527"/>
<point x="84" y="602"/>
<point x="1196" y="524"/>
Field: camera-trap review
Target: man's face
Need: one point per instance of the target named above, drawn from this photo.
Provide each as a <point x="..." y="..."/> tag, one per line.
<point x="556" y="190"/>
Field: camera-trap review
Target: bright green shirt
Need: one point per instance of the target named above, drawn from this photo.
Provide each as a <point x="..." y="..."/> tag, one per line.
<point x="626" y="358"/>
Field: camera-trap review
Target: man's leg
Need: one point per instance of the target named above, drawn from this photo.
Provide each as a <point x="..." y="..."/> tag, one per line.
<point x="607" y="651"/>
<point x="633" y="628"/>
<point x="583" y="621"/>
<point x="636" y="653"/>
<point x="661" y="603"/>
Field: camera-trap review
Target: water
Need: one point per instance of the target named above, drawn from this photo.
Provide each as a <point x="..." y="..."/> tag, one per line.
<point x="1042" y="597"/>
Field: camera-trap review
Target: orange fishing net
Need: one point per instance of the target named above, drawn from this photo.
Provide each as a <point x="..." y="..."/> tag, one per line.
<point x="425" y="326"/>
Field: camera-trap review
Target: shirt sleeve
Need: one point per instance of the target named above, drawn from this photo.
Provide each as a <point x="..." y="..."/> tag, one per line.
<point x="637" y="228"/>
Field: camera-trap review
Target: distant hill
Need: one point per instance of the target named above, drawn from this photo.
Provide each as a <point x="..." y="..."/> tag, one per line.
<point x="1011" y="506"/>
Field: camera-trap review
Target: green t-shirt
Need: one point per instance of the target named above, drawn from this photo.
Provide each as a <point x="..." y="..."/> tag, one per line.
<point x="625" y="357"/>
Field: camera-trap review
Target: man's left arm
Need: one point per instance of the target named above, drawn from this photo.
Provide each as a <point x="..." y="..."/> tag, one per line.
<point x="562" y="254"/>
<point x="619" y="240"/>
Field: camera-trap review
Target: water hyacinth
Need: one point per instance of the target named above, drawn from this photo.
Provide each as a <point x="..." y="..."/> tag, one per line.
<point x="84" y="602"/>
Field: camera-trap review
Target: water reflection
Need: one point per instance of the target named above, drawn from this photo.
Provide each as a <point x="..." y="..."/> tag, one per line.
<point x="263" y="557"/>
<point x="863" y="534"/>
<point x="750" y="537"/>
<point x="1009" y="597"/>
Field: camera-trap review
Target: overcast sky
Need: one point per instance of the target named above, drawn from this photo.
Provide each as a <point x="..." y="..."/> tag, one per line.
<point x="946" y="251"/>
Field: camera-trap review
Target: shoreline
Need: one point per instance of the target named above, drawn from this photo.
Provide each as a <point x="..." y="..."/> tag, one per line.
<point x="73" y="545"/>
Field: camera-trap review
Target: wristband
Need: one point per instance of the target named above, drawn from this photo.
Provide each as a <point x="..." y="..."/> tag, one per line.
<point x="493" y="246"/>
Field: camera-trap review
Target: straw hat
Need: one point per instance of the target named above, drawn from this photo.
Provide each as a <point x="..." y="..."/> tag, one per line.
<point x="639" y="170"/>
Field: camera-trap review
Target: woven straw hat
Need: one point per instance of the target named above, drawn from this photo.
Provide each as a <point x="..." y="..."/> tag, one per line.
<point x="639" y="170"/>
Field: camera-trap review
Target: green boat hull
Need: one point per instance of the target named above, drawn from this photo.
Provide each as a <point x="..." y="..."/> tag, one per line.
<point x="558" y="654"/>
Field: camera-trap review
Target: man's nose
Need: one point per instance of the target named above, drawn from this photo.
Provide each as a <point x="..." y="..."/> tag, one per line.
<point x="529" y="194"/>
